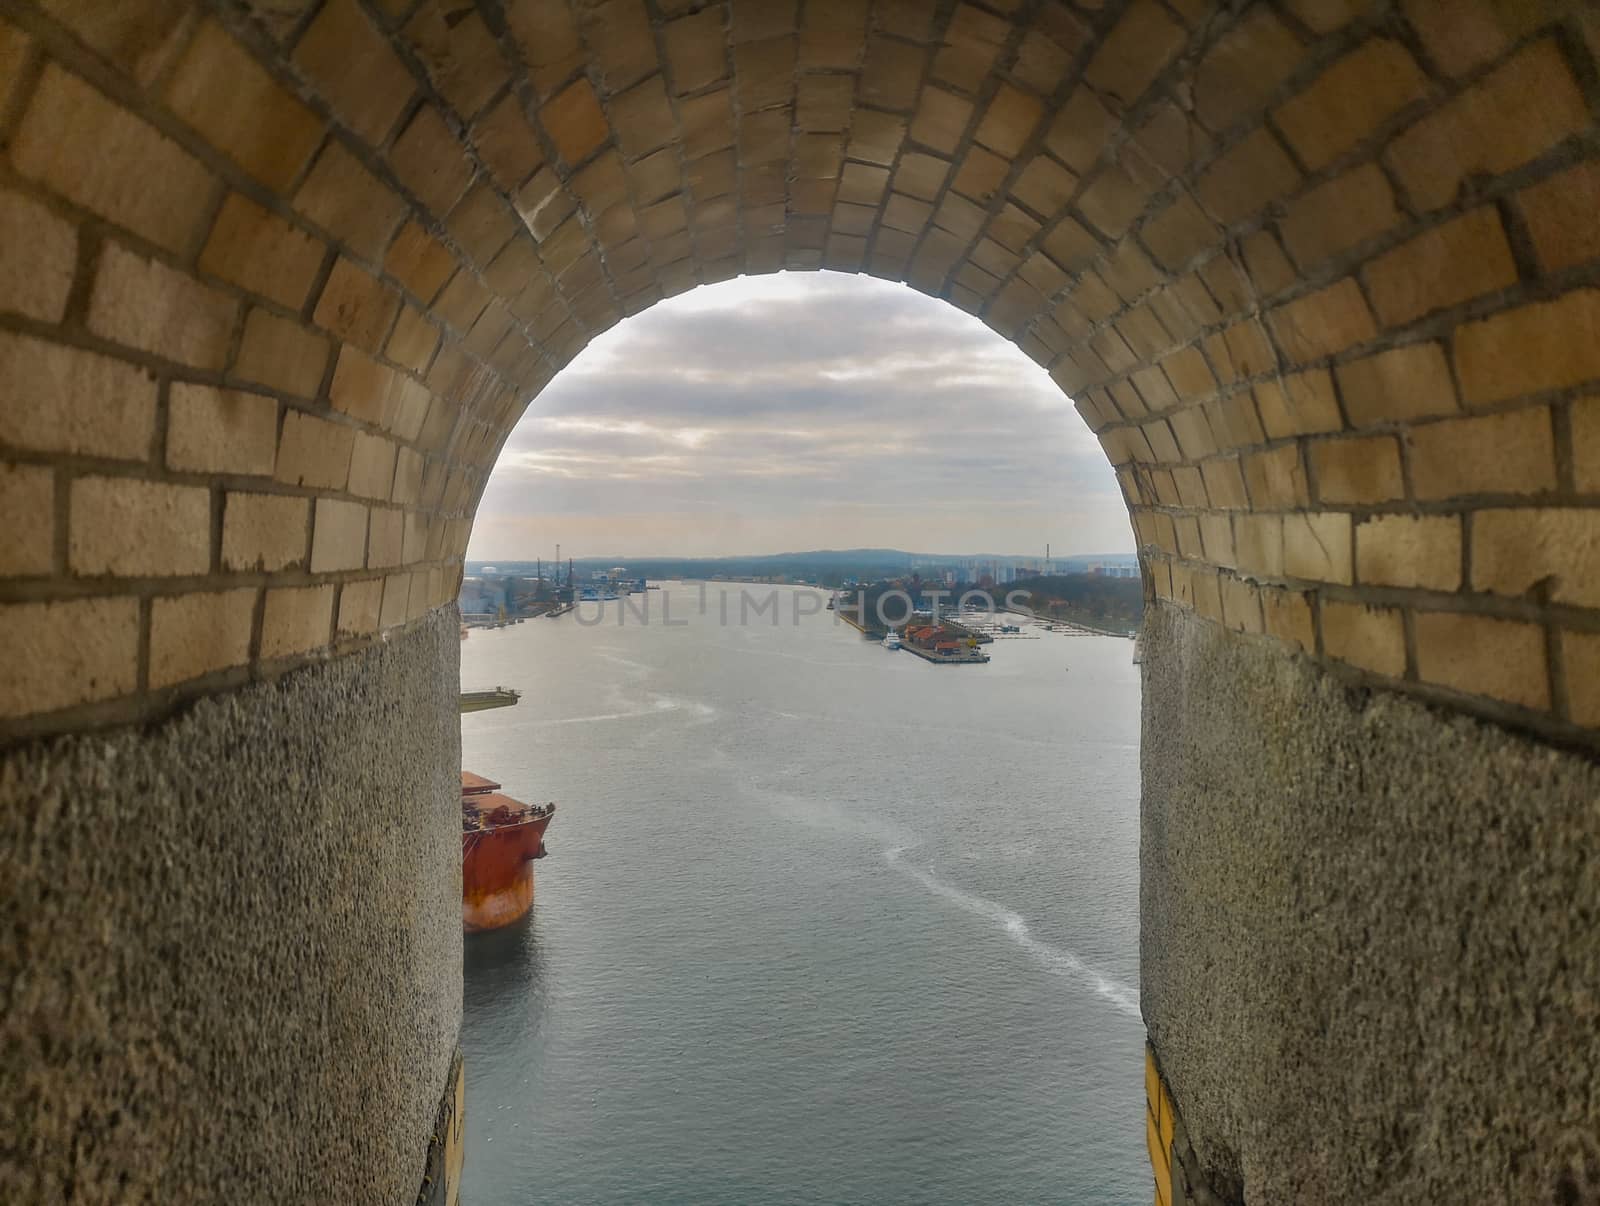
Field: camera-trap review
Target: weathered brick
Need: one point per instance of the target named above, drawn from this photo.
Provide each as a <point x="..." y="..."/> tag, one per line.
<point x="342" y="197"/>
<point x="220" y="90"/>
<point x="1585" y="424"/>
<point x="1460" y="36"/>
<point x="1411" y="382"/>
<point x="1462" y="259"/>
<point x="385" y="537"/>
<point x="355" y="69"/>
<point x="1134" y="52"/>
<point x="259" y="251"/>
<point x="1340" y="214"/>
<point x="1510" y="116"/>
<point x="280" y="354"/>
<point x="61" y="399"/>
<point x="1350" y="100"/>
<point x="1409" y="550"/>
<point x="1373" y="638"/>
<point x="372" y="466"/>
<point x="1323" y="323"/>
<point x="1554" y="550"/>
<point x="1247" y="178"/>
<point x="338" y="536"/>
<point x="221" y="431"/>
<point x="356" y="306"/>
<point x="1361" y="471"/>
<point x="1496" y="454"/>
<point x="430" y="161"/>
<point x="58" y="655"/>
<point x="147" y="305"/>
<point x="296" y="620"/>
<point x="1548" y="345"/>
<point x="359" y="606"/>
<point x="100" y="156"/>
<point x="191" y="635"/>
<point x="314" y="452"/>
<point x="27" y="538"/>
<point x="1480" y="655"/>
<point x="1276" y="479"/>
<point x="138" y="529"/>
<point x="1317" y="547"/>
<point x="264" y="531"/>
<point x="1580" y="655"/>
<point x="419" y="262"/>
<point x="1298" y="404"/>
<point x="1286" y="614"/>
<point x="38" y="256"/>
<point x="574" y="121"/>
<point x="1245" y="66"/>
<point x="1560" y="214"/>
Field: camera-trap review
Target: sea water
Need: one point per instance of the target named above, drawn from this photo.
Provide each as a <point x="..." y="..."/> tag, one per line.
<point x="821" y="922"/>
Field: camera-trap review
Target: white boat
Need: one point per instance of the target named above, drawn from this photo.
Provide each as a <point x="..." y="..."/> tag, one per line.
<point x="892" y="641"/>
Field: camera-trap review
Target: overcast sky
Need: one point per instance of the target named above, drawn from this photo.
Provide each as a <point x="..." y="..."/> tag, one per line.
<point x="800" y="411"/>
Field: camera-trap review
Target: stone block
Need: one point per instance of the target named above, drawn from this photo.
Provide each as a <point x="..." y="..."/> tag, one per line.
<point x="27" y="538"/>
<point x="419" y="262"/>
<point x="574" y="121"/>
<point x="340" y="195"/>
<point x="1339" y="214"/>
<point x="1560" y="213"/>
<point x="338" y="536"/>
<point x="138" y="529"/>
<point x="197" y="634"/>
<point x="1372" y="638"/>
<point x="1580" y="657"/>
<point x="98" y="155"/>
<point x="356" y="306"/>
<point x="355" y="70"/>
<point x="1401" y="384"/>
<point x="1516" y="112"/>
<point x="372" y="466"/>
<point x="1544" y="346"/>
<point x="147" y="305"/>
<point x="1545" y="552"/>
<point x="1286" y="614"/>
<point x="296" y="620"/>
<point x="221" y="431"/>
<point x="58" y="655"/>
<point x="1318" y="547"/>
<point x="1134" y="52"/>
<point x="314" y="452"/>
<point x="430" y="161"/>
<point x="1323" y="323"/>
<point x="230" y="99"/>
<point x="1465" y="258"/>
<point x="1422" y="551"/>
<point x="280" y="354"/>
<point x="264" y="531"/>
<point x="63" y="399"/>
<point x="38" y="257"/>
<point x="257" y="250"/>
<point x="1497" y="454"/>
<point x="1357" y="471"/>
<point x="1482" y="655"/>
<point x="1344" y="105"/>
<point x="1298" y="404"/>
<point x="359" y="606"/>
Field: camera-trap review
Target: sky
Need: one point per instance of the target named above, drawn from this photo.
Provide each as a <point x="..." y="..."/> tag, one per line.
<point x="800" y="411"/>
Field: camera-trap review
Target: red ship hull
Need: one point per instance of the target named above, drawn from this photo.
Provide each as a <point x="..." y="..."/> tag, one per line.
<point x="500" y="838"/>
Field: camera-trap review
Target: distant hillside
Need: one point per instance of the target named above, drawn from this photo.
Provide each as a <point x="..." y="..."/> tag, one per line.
<point x="827" y="566"/>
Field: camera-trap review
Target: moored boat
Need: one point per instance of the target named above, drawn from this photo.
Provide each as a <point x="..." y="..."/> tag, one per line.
<point x="500" y="839"/>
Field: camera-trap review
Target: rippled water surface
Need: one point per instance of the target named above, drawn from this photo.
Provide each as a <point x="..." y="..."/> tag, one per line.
<point x="821" y="922"/>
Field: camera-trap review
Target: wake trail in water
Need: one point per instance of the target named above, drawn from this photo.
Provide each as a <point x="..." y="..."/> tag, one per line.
<point x="1052" y="958"/>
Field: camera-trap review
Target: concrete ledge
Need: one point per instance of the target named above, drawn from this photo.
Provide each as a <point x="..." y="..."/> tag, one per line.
<point x="1369" y="935"/>
<point x="232" y="970"/>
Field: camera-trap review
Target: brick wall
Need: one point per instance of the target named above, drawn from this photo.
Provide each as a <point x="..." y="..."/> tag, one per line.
<point x="277" y="276"/>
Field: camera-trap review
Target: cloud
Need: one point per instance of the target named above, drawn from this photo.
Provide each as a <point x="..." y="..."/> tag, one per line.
<point x="800" y="411"/>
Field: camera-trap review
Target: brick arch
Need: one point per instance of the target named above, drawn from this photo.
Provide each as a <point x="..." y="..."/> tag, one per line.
<point x="280" y="275"/>
<point x="1315" y="275"/>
